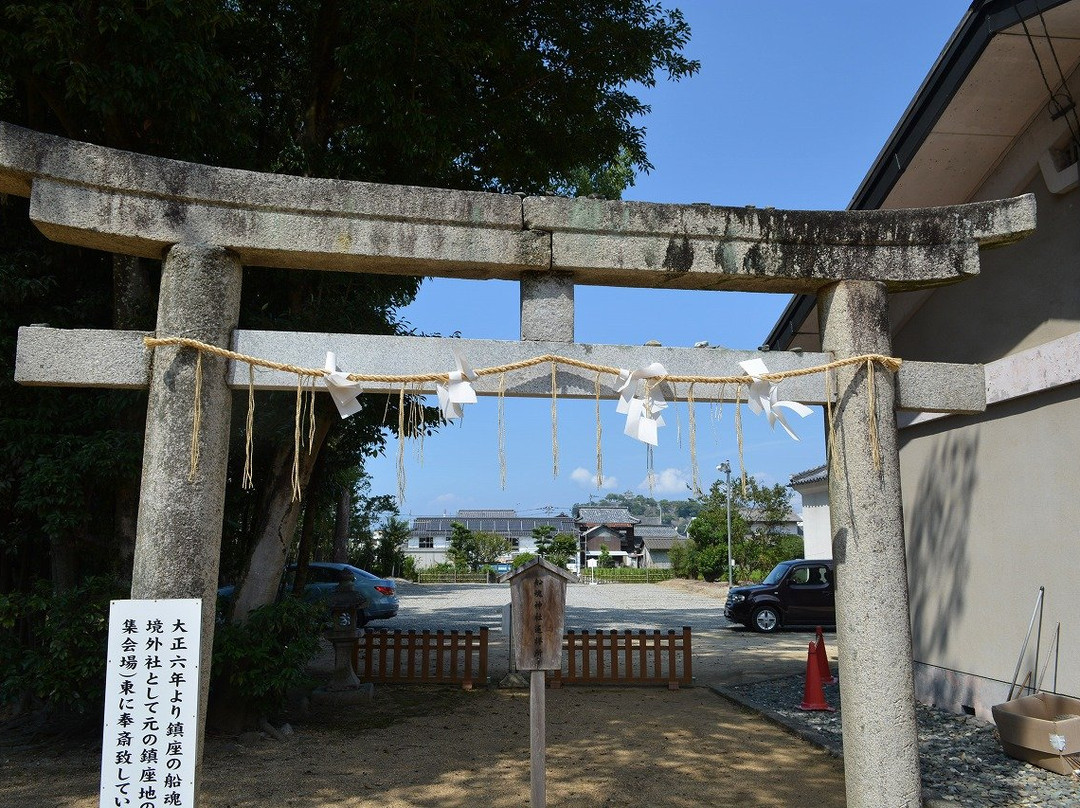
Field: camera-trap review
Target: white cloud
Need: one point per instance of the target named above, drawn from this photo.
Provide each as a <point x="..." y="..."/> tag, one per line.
<point x="587" y="479"/>
<point x="668" y="481"/>
<point x="444" y="498"/>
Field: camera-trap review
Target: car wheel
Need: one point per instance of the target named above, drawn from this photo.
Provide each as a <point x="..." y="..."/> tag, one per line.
<point x="766" y="620"/>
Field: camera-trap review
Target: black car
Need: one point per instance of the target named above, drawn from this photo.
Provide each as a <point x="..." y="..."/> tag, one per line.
<point x="796" y="593"/>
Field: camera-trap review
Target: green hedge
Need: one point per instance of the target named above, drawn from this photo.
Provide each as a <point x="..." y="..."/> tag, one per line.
<point x="442" y="577"/>
<point x="627" y="575"/>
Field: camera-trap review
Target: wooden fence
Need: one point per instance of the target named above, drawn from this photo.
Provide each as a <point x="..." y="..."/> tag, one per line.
<point x="425" y="657"/>
<point x="626" y="658"/>
<point x="589" y="658"/>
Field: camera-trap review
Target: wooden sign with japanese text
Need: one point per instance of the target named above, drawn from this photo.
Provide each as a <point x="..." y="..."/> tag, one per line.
<point x="538" y="609"/>
<point x="150" y="738"/>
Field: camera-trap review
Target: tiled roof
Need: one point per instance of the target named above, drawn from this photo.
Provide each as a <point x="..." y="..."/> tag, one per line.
<point x="512" y="526"/>
<point x="658" y="537"/>
<point x="606" y="516"/>
<point x="814" y="475"/>
<point x="654" y="531"/>
<point x="757" y="515"/>
<point x="665" y="543"/>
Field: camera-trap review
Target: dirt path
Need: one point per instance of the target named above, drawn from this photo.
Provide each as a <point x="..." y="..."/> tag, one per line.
<point x="452" y="749"/>
<point x="445" y="748"/>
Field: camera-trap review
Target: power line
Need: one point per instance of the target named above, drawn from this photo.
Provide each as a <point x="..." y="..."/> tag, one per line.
<point x="1055" y="107"/>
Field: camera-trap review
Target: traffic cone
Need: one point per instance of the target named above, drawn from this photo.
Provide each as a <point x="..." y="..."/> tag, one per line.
<point x="823" y="659"/>
<point x="813" y="695"/>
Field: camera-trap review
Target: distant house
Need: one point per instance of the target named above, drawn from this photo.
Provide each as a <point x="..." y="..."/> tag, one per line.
<point x="813" y="486"/>
<point x="657" y="541"/>
<point x="429" y="537"/>
<point x="631" y="541"/>
<point x="612" y="528"/>
<point x="790" y="524"/>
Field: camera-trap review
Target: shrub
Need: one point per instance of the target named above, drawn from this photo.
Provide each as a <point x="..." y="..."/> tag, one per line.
<point x="53" y="646"/>
<point x="629" y="575"/>
<point x="684" y="559"/>
<point x="521" y="559"/>
<point x="712" y="562"/>
<point x="257" y="662"/>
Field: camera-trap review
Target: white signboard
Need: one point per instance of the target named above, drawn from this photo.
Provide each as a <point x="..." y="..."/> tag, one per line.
<point x="149" y="744"/>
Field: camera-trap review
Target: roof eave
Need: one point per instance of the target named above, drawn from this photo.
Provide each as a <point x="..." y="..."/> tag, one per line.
<point x="983" y="20"/>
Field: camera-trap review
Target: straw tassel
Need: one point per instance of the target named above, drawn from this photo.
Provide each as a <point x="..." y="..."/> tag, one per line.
<point x="196" y="420"/>
<point x="249" y="431"/>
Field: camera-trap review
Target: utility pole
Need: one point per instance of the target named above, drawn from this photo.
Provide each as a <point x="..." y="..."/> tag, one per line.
<point x="725" y="467"/>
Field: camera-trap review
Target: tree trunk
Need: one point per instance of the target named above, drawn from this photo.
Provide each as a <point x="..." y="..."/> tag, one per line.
<point x="277" y="525"/>
<point x="133" y="309"/>
<point x="303" y="549"/>
<point x="341" y="525"/>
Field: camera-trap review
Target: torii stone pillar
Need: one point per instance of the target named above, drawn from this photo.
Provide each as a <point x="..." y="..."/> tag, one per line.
<point x="138" y="205"/>
<point x="178" y="537"/>
<point x="881" y="745"/>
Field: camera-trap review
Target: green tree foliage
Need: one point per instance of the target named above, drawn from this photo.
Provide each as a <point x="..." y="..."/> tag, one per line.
<point x="52" y="646"/>
<point x="382" y="551"/>
<point x="563" y="548"/>
<point x="459" y="550"/>
<point x="683" y="557"/>
<point x="393" y="537"/>
<point x="470" y="550"/>
<point x="606" y="560"/>
<point x="489" y="546"/>
<point x="712" y="562"/>
<point x="608" y="182"/>
<point x="521" y="559"/>
<point x="543" y="536"/>
<point x="758" y="543"/>
<point x="674" y="512"/>
<point x="490" y="94"/>
<point x="558" y="548"/>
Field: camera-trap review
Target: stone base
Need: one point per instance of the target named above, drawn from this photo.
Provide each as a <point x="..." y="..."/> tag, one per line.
<point x="364" y="694"/>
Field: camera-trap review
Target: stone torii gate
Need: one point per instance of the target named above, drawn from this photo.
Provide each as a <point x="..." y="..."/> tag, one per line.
<point x="206" y="223"/>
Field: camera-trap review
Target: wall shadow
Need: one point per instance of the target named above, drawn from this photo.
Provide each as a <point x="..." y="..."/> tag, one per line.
<point x="939" y="565"/>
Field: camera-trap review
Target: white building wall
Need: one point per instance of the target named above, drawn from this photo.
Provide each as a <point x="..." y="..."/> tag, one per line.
<point x="817" y="529"/>
<point x="990" y="500"/>
<point x="430" y="556"/>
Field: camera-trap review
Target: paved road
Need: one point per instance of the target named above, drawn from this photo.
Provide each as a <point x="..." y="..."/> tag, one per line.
<point x="723" y="653"/>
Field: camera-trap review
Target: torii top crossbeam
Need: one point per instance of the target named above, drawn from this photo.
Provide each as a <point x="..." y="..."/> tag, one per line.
<point x="138" y="205"/>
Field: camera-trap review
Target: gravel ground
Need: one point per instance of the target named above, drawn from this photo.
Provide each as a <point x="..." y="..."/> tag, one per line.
<point x="962" y="760"/>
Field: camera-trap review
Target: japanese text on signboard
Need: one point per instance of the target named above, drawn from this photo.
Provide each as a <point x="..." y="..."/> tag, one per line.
<point x="148" y="748"/>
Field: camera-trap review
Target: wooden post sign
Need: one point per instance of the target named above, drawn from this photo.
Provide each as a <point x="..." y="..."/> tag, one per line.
<point x="537" y="611"/>
<point x="537" y="616"/>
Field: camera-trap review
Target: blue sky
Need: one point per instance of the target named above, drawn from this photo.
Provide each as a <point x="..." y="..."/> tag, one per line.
<point x="793" y="102"/>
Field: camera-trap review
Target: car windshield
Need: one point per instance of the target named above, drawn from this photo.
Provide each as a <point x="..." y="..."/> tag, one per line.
<point x="776" y="575"/>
